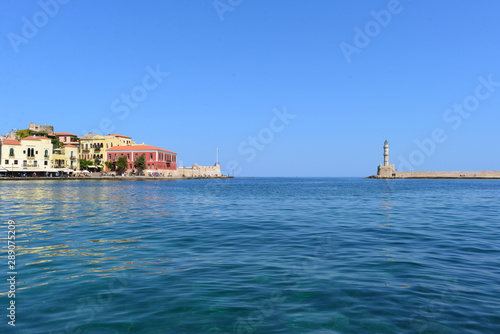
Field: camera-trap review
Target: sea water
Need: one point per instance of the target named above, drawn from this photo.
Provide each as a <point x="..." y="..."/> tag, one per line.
<point x="253" y="255"/>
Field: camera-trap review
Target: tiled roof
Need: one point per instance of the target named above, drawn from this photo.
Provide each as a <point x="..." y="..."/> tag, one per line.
<point x="69" y="145"/>
<point x="65" y="134"/>
<point x="32" y="138"/>
<point x="132" y="148"/>
<point x="121" y="136"/>
<point x="11" y="142"/>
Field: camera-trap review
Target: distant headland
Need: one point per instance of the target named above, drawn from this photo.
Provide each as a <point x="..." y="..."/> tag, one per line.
<point x="388" y="171"/>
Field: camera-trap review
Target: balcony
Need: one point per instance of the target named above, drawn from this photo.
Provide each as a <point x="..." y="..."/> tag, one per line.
<point x="72" y="157"/>
<point x="97" y="149"/>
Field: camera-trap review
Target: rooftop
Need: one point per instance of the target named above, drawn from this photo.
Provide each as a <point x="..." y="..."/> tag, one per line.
<point x="122" y="136"/>
<point x="132" y="148"/>
<point x="65" y="134"/>
<point x="34" y="138"/>
<point x="11" y="142"/>
<point x="91" y="136"/>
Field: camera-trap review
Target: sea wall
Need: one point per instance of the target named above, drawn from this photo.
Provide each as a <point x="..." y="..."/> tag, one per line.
<point x="199" y="171"/>
<point x="443" y="175"/>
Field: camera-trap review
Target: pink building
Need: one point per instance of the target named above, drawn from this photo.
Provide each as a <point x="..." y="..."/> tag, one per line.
<point x="67" y="138"/>
<point x="157" y="159"/>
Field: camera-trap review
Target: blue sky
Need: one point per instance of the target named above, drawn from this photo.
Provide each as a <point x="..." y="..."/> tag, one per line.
<point x="233" y="66"/>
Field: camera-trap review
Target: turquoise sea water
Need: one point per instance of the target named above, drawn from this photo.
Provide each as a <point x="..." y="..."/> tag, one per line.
<point x="254" y="255"/>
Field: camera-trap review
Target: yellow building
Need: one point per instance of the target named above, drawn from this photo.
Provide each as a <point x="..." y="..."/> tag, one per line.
<point x="26" y="156"/>
<point x="93" y="147"/>
<point x="66" y="158"/>
<point x="117" y="140"/>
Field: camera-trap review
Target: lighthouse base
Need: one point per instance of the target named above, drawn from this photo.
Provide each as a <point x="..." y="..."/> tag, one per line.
<point x="386" y="171"/>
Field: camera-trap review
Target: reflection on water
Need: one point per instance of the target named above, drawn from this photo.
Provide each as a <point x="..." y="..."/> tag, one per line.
<point x="85" y="228"/>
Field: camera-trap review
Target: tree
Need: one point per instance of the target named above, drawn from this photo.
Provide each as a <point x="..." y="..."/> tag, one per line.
<point x="56" y="143"/>
<point x="109" y="165"/>
<point x="23" y="133"/>
<point x="140" y="164"/>
<point x="84" y="164"/>
<point x="121" y="164"/>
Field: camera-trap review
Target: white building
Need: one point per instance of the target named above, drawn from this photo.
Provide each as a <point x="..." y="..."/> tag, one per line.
<point x="26" y="156"/>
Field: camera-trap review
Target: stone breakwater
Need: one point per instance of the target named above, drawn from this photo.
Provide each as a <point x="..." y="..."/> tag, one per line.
<point x="440" y="175"/>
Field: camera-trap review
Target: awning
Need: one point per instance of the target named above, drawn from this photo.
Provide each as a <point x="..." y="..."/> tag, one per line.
<point x="52" y="170"/>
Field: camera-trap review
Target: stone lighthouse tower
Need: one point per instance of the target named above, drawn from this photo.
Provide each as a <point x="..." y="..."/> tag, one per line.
<point x="386" y="171"/>
<point x="386" y="153"/>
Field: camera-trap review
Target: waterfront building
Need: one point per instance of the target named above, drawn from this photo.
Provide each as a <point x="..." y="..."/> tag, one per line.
<point x="92" y="148"/>
<point x="117" y="140"/>
<point x="26" y="156"/>
<point x="157" y="159"/>
<point x="66" y="159"/>
<point x="67" y="138"/>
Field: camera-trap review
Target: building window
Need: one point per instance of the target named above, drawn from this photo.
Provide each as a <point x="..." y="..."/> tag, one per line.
<point x="128" y="156"/>
<point x="15" y="162"/>
<point x="35" y="163"/>
<point x="150" y="156"/>
<point x="111" y="144"/>
<point x="46" y="155"/>
<point x="153" y="166"/>
<point x="11" y="153"/>
<point x="136" y="156"/>
<point x="25" y="163"/>
<point x="45" y="162"/>
<point x="6" y="162"/>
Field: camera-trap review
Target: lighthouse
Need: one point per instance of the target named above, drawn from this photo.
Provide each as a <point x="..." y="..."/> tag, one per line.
<point x="386" y="170"/>
<point x="386" y="153"/>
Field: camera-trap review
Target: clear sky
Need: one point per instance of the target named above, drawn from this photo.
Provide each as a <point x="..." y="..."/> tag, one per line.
<point x="282" y="88"/>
